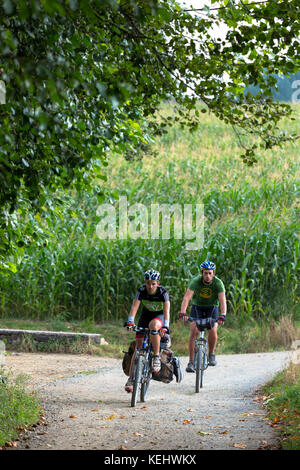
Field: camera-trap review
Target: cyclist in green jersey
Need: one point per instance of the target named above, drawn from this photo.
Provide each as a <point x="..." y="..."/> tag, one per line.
<point x="208" y="293"/>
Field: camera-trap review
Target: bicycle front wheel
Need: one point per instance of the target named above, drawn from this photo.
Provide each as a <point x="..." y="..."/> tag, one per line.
<point x="146" y="377"/>
<point x="138" y="367"/>
<point x="200" y="367"/>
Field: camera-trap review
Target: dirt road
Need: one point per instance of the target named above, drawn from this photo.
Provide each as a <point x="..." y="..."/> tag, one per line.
<point x="87" y="408"/>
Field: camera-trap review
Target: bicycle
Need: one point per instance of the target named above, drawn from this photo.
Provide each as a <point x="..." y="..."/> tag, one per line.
<point x="200" y="349"/>
<point x="142" y="370"/>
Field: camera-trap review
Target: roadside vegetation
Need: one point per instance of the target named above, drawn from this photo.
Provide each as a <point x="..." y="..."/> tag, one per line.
<point x="19" y="409"/>
<point x="282" y="399"/>
<point x="276" y="335"/>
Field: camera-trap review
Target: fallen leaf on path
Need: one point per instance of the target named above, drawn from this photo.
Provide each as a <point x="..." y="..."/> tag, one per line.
<point x="203" y="433"/>
<point x="263" y="443"/>
<point x="240" y="446"/>
<point x="186" y="421"/>
<point x="190" y="410"/>
<point x="122" y="448"/>
<point x="110" y="417"/>
<point x="222" y="432"/>
<point x="72" y="416"/>
<point x="138" y="434"/>
<point x="10" y="444"/>
<point x="95" y="409"/>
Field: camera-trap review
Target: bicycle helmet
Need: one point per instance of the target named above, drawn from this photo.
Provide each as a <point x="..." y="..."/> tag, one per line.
<point x="207" y="265"/>
<point x="152" y="275"/>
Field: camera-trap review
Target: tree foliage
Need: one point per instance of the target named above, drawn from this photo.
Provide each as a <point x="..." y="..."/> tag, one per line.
<point x="85" y="77"/>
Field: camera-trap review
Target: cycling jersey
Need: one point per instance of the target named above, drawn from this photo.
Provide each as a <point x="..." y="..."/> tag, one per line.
<point x="206" y="294"/>
<point x="152" y="303"/>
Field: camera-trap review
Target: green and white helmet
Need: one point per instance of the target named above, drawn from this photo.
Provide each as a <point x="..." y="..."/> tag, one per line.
<point x="152" y="275"/>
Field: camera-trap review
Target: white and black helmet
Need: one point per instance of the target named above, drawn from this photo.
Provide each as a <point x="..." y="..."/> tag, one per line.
<point x="152" y="275"/>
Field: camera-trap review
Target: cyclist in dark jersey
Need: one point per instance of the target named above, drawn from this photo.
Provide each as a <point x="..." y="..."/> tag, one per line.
<point x="208" y="293"/>
<point x="155" y="315"/>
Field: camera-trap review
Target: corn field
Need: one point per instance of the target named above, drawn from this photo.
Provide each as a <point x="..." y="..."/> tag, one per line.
<point x="251" y="232"/>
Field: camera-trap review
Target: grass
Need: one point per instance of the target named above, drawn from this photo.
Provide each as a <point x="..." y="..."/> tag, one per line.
<point x="268" y="336"/>
<point x="19" y="409"/>
<point x="282" y="399"/>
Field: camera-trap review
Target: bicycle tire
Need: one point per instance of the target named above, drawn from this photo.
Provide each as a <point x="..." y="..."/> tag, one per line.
<point x="146" y="377"/>
<point x="200" y="367"/>
<point x="199" y="380"/>
<point x="137" y="379"/>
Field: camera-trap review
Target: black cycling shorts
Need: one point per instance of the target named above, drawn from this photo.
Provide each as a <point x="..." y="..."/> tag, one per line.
<point x="198" y="311"/>
<point x="146" y="318"/>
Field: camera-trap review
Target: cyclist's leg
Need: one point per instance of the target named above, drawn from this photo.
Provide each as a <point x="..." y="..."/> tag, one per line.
<point x="138" y="344"/>
<point x="192" y="338"/>
<point x="156" y="324"/>
<point x="213" y="338"/>
<point x="129" y="383"/>
<point x="195" y="313"/>
<point x="191" y="346"/>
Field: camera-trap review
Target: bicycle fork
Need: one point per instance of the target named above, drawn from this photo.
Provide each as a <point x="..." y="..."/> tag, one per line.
<point x="201" y="345"/>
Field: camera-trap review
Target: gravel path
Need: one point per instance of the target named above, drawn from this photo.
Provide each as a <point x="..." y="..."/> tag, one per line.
<point x="87" y="408"/>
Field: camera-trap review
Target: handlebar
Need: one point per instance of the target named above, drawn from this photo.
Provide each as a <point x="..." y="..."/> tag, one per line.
<point x="203" y="323"/>
<point x="140" y="329"/>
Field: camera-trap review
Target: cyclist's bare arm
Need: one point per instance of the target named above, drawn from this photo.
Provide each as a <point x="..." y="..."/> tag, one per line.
<point x="166" y="309"/>
<point x="185" y="302"/>
<point x="134" y="308"/>
<point x="223" y="305"/>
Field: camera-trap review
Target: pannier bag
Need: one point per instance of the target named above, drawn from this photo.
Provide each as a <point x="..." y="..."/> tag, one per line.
<point x="170" y="366"/>
<point x="177" y="369"/>
<point x="127" y="358"/>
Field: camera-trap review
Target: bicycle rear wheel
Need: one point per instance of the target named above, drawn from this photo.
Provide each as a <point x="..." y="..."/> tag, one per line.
<point x="146" y="377"/>
<point x="137" y="379"/>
